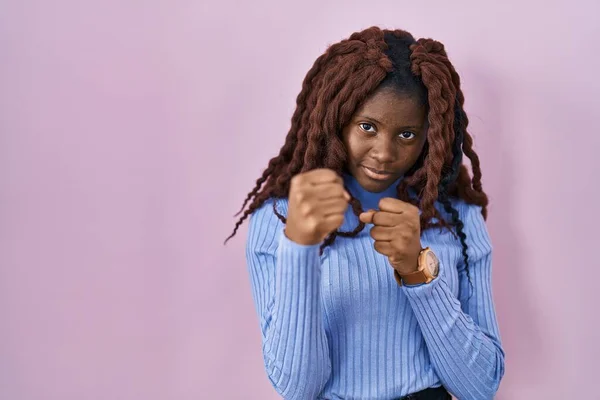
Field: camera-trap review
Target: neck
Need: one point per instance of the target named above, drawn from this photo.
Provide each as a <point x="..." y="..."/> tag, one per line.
<point x="369" y="200"/>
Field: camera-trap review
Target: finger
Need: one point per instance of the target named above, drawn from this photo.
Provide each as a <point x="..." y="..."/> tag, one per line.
<point x="394" y="205"/>
<point x="382" y="233"/>
<point x="333" y="206"/>
<point x="315" y="176"/>
<point x="384" y="218"/>
<point x="323" y="176"/>
<point x="367" y="217"/>
<point x="329" y="191"/>
<point x="384" y="248"/>
<point x="332" y="222"/>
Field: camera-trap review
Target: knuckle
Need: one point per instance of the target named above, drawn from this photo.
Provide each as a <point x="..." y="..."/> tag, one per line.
<point x="377" y="218"/>
<point x="297" y="179"/>
<point x="406" y="236"/>
<point x="306" y="208"/>
<point x="416" y="227"/>
<point x="311" y="224"/>
<point x="397" y="245"/>
<point x="328" y="172"/>
<point x="342" y="204"/>
<point x="415" y="223"/>
<point x="311" y="174"/>
<point x="318" y="173"/>
<point x="338" y="220"/>
<point x="300" y="196"/>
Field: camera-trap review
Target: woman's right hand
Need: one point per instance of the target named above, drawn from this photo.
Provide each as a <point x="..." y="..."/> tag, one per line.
<point x="317" y="202"/>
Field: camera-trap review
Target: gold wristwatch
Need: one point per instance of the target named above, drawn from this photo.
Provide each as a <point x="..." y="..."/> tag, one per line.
<point x="428" y="269"/>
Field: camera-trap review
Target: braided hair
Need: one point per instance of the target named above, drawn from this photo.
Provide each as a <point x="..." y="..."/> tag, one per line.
<point x="338" y="83"/>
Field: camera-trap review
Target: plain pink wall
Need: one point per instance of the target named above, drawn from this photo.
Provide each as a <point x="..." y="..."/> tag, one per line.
<point x="130" y="132"/>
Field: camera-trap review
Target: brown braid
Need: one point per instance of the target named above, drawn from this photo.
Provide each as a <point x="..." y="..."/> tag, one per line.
<point x="475" y="194"/>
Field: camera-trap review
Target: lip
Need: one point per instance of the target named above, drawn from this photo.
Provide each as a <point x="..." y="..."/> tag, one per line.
<point x="376" y="174"/>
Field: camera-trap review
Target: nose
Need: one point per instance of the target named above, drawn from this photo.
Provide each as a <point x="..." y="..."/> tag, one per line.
<point x="383" y="150"/>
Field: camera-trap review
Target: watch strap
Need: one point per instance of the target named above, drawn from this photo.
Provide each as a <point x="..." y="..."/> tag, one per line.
<point x="413" y="278"/>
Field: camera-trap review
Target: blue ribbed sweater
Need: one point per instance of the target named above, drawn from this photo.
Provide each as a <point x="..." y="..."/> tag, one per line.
<point x="338" y="326"/>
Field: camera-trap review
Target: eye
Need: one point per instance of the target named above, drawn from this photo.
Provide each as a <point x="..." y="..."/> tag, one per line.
<point x="367" y="127"/>
<point x="407" y="135"/>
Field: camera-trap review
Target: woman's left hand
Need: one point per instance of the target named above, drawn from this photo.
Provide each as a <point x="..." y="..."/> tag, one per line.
<point x="397" y="233"/>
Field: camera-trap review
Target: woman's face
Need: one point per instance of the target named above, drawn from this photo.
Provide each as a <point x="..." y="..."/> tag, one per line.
<point x="384" y="138"/>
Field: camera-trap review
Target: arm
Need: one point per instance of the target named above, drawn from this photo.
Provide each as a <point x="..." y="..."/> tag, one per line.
<point x="462" y="334"/>
<point x="285" y="279"/>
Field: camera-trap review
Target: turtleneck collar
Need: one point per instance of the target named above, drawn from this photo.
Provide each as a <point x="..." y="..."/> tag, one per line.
<point x="368" y="200"/>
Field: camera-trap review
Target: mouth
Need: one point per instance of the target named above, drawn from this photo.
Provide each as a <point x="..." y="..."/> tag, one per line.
<point x="376" y="174"/>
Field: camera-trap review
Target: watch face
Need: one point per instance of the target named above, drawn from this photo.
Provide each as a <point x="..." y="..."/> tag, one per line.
<point x="432" y="262"/>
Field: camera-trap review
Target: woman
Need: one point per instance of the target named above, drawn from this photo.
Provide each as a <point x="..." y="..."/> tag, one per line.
<point x="368" y="253"/>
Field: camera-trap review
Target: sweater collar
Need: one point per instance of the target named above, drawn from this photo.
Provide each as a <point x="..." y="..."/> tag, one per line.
<point x="369" y="200"/>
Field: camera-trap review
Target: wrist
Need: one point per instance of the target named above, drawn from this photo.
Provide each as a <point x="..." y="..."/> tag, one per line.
<point x="427" y="269"/>
<point x="407" y="267"/>
<point x="304" y="240"/>
<point x="403" y="270"/>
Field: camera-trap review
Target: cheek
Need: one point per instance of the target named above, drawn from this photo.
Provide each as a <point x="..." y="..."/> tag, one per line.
<point x="420" y="147"/>
<point x="417" y="153"/>
<point x="355" y="145"/>
<point x="417" y="150"/>
<point x="410" y="154"/>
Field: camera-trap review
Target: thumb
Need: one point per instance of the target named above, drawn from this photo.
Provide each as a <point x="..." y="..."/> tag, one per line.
<point x="367" y="216"/>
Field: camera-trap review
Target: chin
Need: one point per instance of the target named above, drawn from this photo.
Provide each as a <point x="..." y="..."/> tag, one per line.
<point x="368" y="183"/>
<point x="374" y="186"/>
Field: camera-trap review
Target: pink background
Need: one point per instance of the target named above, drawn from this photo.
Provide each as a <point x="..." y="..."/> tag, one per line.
<point x="130" y="132"/>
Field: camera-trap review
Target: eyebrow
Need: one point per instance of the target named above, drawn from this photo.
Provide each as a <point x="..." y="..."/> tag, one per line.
<point x="381" y="123"/>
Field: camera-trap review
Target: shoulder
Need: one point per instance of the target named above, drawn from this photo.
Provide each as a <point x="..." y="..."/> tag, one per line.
<point x="265" y="214"/>
<point x="459" y="206"/>
<point x="475" y="229"/>
<point x="473" y="226"/>
<point x="468" y="212"/>
<point x="265" y="226"/>
<point x="470" y="215"/>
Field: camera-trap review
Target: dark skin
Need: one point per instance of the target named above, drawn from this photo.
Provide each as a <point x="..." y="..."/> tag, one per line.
<point x="384" y="139"/>
<point x="387" y="133"/>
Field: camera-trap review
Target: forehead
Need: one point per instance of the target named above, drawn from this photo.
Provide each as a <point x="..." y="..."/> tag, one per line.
<point x="389" y="106"/>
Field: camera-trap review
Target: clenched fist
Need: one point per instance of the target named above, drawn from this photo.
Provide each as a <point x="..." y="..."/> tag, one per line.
<point x="397" y="233"/>
<point x="317" y="202"/>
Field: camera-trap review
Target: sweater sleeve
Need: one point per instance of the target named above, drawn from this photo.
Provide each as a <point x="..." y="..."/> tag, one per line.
<point x="462" y="334"/>
<point x="285" y="281"/>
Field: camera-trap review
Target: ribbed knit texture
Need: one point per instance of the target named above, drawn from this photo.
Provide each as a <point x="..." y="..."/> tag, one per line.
<point x="338" y="326"/>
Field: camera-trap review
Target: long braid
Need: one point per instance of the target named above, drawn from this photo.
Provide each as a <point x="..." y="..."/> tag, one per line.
<point x="476" y="194"/>
<point x="441" y="97"/>
<point x="425" y="56"/>
<point x="448" y="180"/>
